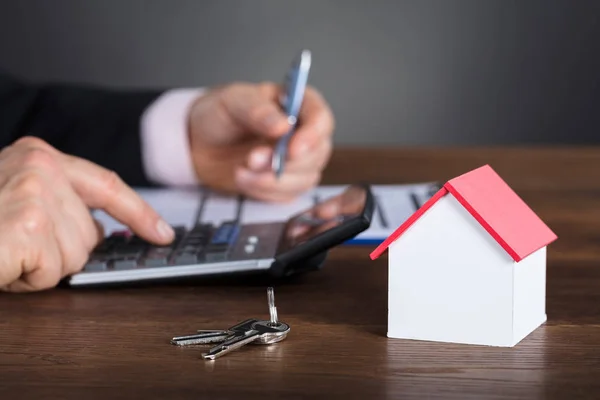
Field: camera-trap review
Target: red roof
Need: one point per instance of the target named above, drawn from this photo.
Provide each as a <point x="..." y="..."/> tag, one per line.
<point x="495" y="206"/>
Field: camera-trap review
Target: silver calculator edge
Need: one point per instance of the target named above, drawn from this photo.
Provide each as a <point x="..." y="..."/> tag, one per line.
<point x="147" y="273"/>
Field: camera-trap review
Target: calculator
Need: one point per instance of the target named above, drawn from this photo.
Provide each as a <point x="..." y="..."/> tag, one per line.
<point x="281" y="248"/>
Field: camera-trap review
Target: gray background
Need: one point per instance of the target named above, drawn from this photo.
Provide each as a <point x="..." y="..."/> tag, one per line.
<point x="395" y="72"/>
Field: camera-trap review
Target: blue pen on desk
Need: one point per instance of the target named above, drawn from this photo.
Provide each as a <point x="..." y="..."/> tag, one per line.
<point x="291" y="100"/>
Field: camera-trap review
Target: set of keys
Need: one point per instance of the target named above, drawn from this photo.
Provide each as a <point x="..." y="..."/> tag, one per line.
<point x="252" y="330"/>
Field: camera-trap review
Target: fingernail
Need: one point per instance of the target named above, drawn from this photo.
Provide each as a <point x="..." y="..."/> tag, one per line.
<point x="259" y="160"/>
<point x="164" y="230"/>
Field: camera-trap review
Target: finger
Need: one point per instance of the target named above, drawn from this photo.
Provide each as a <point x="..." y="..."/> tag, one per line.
<point x="315" y="125"/>
<point x="35" y="247"/>
<point x="45" y="274"/>
<point x="10" y="261"/>
<point x="67" y="231"/>
<point x="44" y="202"/>
<point x="103" y="189"/>
<point x="253" y="108"/>
<point x="71" y="222"/>
<point x="265" y="186"/>
<point x="259" y="159"/>
<point x="78" y="215"/>
<point x="315" y="162"/>
<point x="74" y="229"/>
<point x="100" y="231"/>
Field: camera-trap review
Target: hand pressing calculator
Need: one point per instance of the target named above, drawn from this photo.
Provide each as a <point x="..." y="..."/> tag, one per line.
<point x="281" y="249"/>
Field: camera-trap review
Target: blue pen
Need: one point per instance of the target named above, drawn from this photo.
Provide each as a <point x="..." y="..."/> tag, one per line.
<point x="293" y="94"/>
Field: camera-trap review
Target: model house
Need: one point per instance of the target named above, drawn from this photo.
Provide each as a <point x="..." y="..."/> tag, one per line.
<point x="469" y="266"/>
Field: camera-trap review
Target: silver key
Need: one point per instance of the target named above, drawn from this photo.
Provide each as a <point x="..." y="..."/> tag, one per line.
<point x="253" y="331"/>
<point x="249" y="331"/>
<point x="264" y="332"/>
<point x="208" y="336"/>
<point x="202" y="337"/>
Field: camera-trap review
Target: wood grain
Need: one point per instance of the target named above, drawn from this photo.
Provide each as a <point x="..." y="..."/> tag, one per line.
<point x="113" y="343"/>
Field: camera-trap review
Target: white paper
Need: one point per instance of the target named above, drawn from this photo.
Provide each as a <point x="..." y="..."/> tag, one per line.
<point x="395" y="203"/>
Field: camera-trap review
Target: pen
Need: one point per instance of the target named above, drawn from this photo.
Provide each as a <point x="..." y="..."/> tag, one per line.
<point x="293" y="94"/>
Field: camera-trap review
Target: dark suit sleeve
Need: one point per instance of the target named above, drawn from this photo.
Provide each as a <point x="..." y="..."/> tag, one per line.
<point x="100" y="125"/>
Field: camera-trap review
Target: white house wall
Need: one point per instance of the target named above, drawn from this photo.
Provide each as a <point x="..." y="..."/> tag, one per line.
<point x="529" y="294"/>
<point x="450" y="281"/>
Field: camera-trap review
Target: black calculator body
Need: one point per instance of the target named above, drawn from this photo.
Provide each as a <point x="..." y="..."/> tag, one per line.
<point x="281" y="249"/>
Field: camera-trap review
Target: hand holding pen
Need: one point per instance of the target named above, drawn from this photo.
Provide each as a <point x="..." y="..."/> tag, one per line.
<point x="236" y="129"/>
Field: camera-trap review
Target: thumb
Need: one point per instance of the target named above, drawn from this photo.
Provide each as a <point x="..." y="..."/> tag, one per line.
<point x="255" y="108"/>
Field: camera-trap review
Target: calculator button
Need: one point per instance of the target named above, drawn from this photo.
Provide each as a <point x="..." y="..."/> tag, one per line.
<point x="159" y="252"/>
<point x="192" y="241"/>
<point x="186" y="258"/>
<point x="226" y="233"/>
<point x="125" y="264"/>
<point x="252" y="239"/>
<point x="216" y="248"/>
<point x="249" y="248"/>
<point x="128" y="254"/>
<point x="215" y="256"/>
<point x="95" y="266"/>
<point x="155" y="262"/>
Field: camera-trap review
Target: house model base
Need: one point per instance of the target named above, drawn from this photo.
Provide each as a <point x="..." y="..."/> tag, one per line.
<point x="469" y="266"/>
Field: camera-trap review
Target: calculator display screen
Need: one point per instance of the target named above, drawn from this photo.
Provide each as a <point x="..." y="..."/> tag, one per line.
<point x="325" y="215"/>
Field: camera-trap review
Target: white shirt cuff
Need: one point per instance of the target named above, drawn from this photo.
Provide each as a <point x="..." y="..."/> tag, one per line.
<point x="166" y="154"/>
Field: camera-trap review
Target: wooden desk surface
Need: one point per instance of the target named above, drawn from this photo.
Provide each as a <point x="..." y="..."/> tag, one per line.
<point x="113" y="343"/>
